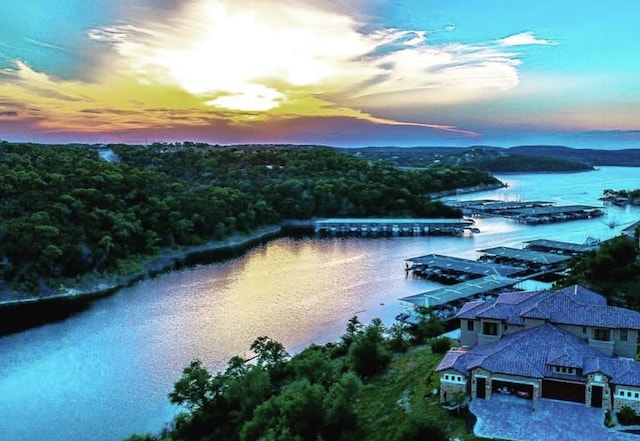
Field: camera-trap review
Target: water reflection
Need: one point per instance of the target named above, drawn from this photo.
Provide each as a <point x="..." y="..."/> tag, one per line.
<point x="106" y="373"/>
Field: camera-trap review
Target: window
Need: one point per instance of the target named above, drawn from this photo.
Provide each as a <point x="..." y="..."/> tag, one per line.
<point x="564" y="370"/>
<point x="602" y="334"/>
<point x="490" y="328"/>
<point x="624" y="335"/>
<point x="584" y="329"/>
<point x="469" y="325"/>
<point x="505" y="328"/>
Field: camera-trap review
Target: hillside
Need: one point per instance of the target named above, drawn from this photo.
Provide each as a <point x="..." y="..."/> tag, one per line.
<point x="501" y="160"/>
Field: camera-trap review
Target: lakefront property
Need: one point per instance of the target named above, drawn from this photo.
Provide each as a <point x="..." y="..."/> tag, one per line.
<point x="565" y="345"/>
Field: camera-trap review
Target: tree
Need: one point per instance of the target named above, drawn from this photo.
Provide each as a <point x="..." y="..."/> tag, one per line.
<point x="269" y="353"/>
<point x="315" y="365"/>
<point x="440" y="345"/>
<point x="399" y="335"/>
<point x="196" y="388"/>
<point x="296" y="411"/>
<point x="369" y="353"/>
<point x="354" y="328"/>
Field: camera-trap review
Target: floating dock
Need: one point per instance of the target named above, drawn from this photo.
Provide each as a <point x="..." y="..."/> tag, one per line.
<point x="564" y="248"/>
<point x="461" y="291"/>
<point x="498" y="269"/>
<point x="393" y="227"/>
<point x="449" y="270"/>
<point x="534" y="260"/>
<point x="527" y="212"/>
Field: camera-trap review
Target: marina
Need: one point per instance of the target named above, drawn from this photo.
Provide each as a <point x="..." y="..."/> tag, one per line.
<point x="450" y="270"/>
<point x="373" y="227"/>
<point x="497" y="270"/>
<point x="527" y="212"/>
<point x="296" y="290"/>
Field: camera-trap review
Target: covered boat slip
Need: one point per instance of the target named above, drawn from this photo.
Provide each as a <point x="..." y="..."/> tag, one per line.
<point x="525" y="257"/>
<point x="437" y="266"/>
<point x="466" y="290"/>
<point x="394" y="226"/>
<point x="564" y="248"/>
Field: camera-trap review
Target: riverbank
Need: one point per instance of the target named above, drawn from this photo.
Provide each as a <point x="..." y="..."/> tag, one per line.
<point x="18" y="313"/>
<point x="467" y="190"/>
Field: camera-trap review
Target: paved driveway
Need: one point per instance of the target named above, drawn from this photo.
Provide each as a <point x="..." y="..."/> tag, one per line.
<point x="512" y="418"/>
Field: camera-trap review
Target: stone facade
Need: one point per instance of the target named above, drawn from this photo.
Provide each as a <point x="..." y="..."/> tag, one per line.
<point x="626" y="396"/>
<point x="451" y="382"/>
<point x="598" y="380"/>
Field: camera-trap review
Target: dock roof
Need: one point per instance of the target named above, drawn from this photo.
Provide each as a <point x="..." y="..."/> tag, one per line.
<point x="465" y="265"/>
<point x="563" y="246"/>
<point x="391" y="221"/>
<point x="541" y="211"/>
<point x="525" y="255"/>
<point x="460" y="291"/>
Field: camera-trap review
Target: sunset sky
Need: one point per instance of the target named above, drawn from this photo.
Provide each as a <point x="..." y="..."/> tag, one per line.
<point x="332" y="72"/>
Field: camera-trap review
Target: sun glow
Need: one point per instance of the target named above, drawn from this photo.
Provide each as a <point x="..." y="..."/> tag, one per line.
<point x="247" y="61"/>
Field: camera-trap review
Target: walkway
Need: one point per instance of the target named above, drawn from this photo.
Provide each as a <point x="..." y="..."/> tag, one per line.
<point x="511" y="418"/>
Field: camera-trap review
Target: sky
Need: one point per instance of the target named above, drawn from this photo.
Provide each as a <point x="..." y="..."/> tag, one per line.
<point x="329" y="72"/>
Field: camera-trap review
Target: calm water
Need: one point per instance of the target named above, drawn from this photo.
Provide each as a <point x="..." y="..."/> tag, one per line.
<point x="106" y="373"/>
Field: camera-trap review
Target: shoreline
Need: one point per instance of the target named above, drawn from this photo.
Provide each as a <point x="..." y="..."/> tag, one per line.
<point x="21" y="314"/>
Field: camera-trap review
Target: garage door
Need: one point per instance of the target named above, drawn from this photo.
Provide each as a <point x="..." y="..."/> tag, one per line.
<point x="519" y="389"/>
<point x="562" y="390"/>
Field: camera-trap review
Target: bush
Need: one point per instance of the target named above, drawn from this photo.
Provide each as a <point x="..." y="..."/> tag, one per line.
<point x="627" y="416"/>
<point x="440" y="345"/>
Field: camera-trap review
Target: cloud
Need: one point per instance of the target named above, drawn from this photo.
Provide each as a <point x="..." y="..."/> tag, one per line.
<point x="523" y="39"/>
<point x="245" y="62"/>
<point x="8" y="114"/>
<point x="45" y="44"/>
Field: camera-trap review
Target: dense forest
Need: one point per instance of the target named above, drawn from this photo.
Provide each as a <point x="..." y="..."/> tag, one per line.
<point x="332" y="392"/>
<point x="611" y="270"/>
<point x="73" y="211"/>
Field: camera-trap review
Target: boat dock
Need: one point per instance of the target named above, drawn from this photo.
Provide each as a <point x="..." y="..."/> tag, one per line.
<point x="393" y="227"/>
<point x="564" y="248"/>
<point x="527" y="212"/>
<point x="534" y="260"/>
<point x="450" y="270"/>
<point x="461" y="291"/>
<point x="496" y="270"/>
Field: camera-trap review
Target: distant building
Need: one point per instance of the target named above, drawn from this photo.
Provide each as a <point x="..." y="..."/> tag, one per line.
<point x="565" y="345"/>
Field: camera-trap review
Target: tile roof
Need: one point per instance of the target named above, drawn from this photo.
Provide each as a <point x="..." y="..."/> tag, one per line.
<point x="533" y="352"/>
<point x="573" y="305"/>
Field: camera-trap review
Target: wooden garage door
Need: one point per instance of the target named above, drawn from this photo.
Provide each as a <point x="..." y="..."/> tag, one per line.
<point x="561" y="390"/>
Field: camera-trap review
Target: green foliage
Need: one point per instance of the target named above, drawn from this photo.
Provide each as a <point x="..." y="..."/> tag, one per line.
<point x="627" y="416"/>
<point x="66" y="213"/>
<point x="369" y="353"/>
<point x="440" y="345"/>
<point x="399" y="336"/>
<point x="419" y="429"/>
<point x="612" y="270"/>
<point x="429" y="325"/>
<point x="313" y="397"/>
<point x="195" y="389"/>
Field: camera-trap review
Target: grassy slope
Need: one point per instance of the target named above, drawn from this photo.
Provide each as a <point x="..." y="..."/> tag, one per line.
<point x="405" y="390"/>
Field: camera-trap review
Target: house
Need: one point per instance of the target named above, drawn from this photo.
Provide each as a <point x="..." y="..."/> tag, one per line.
<point x="566" y="345"/>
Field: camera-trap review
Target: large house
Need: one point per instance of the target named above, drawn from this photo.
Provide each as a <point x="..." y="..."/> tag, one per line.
<point x="566" y="345"/>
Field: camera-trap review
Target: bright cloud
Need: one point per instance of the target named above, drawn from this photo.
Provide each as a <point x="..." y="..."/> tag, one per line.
<point x="523" y="39"/>
<point x="249" y="60"/>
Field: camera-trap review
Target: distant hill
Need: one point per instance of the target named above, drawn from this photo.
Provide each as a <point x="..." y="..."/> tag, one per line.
<point x="497" y="159"/>
<point x="625" y="158"/>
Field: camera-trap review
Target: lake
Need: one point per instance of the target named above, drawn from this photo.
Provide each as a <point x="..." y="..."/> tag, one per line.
<point x="105" y="373"/>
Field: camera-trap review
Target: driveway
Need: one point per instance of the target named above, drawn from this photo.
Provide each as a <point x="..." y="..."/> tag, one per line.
<point x="511" y="418"/>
